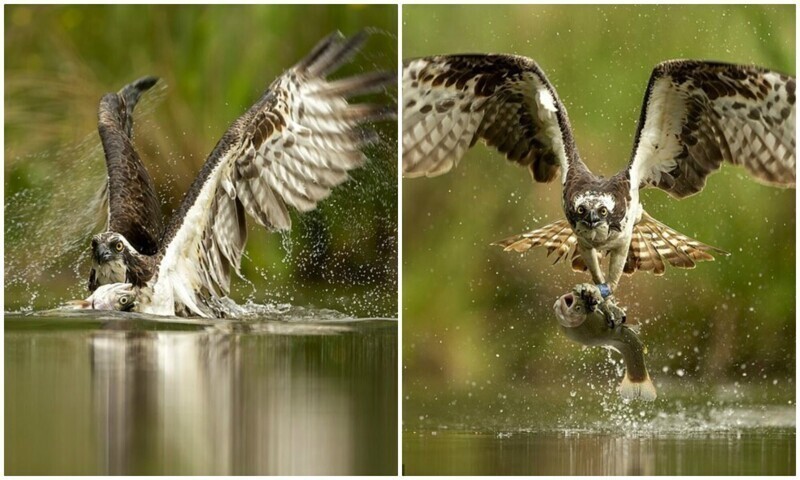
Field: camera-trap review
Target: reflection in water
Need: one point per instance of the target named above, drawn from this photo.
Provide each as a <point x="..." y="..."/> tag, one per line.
<point x="565" y="453"/>
<point x="204" y="402"/>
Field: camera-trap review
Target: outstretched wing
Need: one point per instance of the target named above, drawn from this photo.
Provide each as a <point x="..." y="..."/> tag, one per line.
<point x="698" y="114"/>
<point x="133" y="207"/>
<point x="290" y="149"/>
<point x="452" y="101"/>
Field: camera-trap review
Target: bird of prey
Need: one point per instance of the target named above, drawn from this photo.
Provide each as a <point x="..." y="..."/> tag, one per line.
<point x="695" y="116"/>
<point x="290" y="149"/>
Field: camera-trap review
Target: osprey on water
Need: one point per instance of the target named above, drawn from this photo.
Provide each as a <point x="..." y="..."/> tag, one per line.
<point x="695" y="116"/>
<point x="290" y="149"/>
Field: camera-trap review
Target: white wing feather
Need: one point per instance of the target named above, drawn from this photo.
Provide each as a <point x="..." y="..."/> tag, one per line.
<point x="290" y="149"/>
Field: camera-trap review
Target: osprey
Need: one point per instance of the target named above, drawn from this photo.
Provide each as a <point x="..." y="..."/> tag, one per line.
<point x="290" y="149"/>
<point x="695" y="116"/>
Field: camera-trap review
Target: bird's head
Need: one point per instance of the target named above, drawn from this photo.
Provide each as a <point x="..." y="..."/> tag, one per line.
<point x="592" y="211"/>
<point x="108" y="246"/>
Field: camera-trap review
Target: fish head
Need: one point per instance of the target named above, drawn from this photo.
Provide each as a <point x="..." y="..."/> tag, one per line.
<point x="571" y="310"/>
<point x="113" y="296"/>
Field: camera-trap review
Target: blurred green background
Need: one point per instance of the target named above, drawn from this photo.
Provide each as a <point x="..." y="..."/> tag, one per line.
<point x="478" y="322"/>
<point x="214" y="62"/>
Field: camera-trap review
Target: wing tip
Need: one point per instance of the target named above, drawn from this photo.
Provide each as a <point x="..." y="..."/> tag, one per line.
<point x="331" y="52"/>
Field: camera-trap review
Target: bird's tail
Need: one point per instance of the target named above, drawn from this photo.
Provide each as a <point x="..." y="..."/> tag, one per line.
<point x="637" y="390"/>
<point x="557" y="237"/>
<point x="654" y="244"/>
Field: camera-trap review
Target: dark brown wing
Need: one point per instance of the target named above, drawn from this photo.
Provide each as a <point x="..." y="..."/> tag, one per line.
<point x="452" y="101"/>
<point x="698" y="114"/>
<point x="133" y="207"/>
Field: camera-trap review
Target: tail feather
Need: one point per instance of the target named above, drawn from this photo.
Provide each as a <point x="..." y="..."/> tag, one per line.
<point x="653" y="243"/>
<point x="653" y="246"/>
<point x="644" y="390"/>
<point x="557" y="237"/>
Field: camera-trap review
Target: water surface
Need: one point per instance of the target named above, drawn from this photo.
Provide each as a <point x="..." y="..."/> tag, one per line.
<point x="693" y="428"/>
<point x="290" y="391"/>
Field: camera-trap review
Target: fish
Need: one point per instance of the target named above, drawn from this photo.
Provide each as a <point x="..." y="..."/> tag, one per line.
<point x="113" y="296"/>
<point x="583" y="316"/>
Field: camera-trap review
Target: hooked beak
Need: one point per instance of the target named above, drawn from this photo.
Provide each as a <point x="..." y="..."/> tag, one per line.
<point x="593" y="220"/>
<point x="102" y="254"/>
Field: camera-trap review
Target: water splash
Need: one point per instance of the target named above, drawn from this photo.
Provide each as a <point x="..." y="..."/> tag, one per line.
<point x="47" y="225"/>
<point x="55" y="201"/>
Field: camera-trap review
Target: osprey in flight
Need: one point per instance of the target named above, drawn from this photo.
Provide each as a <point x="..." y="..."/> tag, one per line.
<point x="290" y="149"/>
<point x="695" y="116"/>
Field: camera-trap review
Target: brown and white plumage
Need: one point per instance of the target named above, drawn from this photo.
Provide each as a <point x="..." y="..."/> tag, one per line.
<point x="451" y="102"/>
<point x="289" y="150"/>
<point x="653" y="246"/>
<point x="695" y="116"/>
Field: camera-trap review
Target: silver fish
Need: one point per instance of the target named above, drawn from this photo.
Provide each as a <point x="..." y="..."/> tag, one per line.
<point x="112" y="296"/>
<point x="583" y="315"/>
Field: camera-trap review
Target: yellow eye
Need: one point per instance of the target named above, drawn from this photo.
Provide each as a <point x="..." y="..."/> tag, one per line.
<point x="581" y="210"/>
<point x="603" y="211"/>
<point x="578" y="308"/>
<point x="123" y="300"/>
<point x="119" y="246"/>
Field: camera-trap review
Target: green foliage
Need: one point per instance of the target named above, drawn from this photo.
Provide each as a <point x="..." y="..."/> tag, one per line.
<point x="214" y="62"/>
<point x="472" y="313"/>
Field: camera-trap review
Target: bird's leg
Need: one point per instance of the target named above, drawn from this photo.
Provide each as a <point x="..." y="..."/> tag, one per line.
<point x="616" y="265"/>
<point x="592" y="259"/>
<point x="614" y="314"/>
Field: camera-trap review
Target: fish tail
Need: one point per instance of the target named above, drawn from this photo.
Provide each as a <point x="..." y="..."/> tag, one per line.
<point x="77" y="305"/>
<point x="637" y="390"/>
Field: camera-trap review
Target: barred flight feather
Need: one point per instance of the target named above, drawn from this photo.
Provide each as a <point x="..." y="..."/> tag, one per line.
<point x="290" y="149"/>
<point x="452" y="101"/>
<point x="652" y="243"/>
<point x="697" y="115"/>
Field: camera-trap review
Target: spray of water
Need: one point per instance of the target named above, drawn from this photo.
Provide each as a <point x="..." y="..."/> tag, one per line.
<point x="49" y="221"/>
